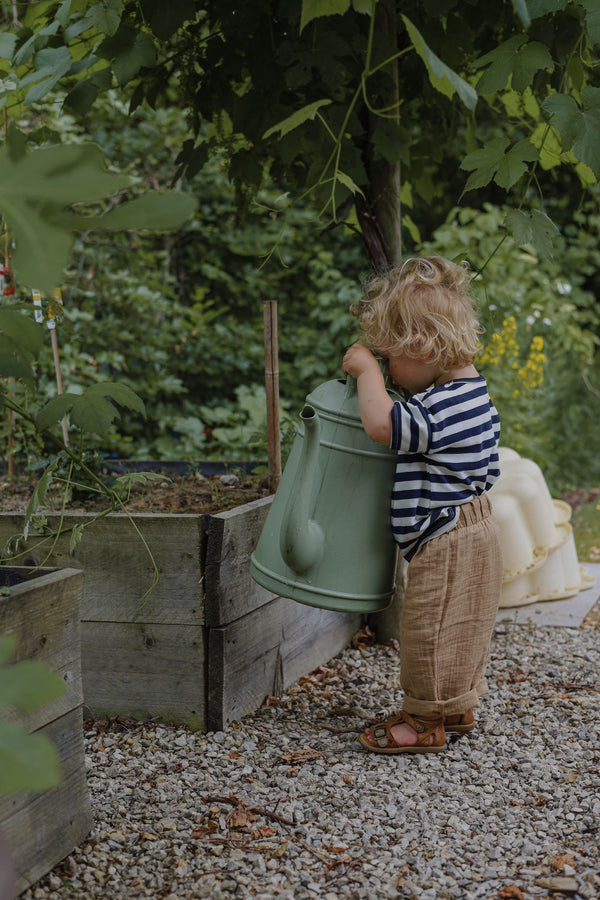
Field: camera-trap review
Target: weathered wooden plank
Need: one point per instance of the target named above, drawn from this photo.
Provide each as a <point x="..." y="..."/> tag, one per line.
<point x="118" y="569"/>
<point x="146" y="671"/>
<point x="43" y="614"/>
<point x="268" y="650"/>
<point x="44" y="828"/>
<point x="232" y="536"/>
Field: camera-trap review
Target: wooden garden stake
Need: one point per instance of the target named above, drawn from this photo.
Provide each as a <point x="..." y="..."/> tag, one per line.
<point x="11" y="416"/>
<point x="272" y="388"/>
<point x="54" y="313"/>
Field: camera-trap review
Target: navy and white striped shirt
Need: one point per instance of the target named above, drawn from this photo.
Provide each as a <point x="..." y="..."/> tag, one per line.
<point x="447" y="442"/>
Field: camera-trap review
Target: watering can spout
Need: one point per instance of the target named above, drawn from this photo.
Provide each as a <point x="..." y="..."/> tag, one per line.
<point x="301" y="539"/>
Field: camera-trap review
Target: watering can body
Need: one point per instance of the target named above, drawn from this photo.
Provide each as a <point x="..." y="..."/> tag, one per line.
<point x="327" y="540"/>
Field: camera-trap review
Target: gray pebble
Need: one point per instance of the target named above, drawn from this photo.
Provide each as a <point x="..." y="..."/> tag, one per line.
<point x="223" y="815"/>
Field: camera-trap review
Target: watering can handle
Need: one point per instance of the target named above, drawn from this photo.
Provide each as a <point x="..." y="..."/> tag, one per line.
<point x="351" y="387"/>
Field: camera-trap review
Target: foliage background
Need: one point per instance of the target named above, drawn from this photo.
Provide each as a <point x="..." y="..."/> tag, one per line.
<point x="178" y="318"/>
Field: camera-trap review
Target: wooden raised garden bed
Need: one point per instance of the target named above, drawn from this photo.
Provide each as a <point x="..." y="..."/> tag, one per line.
<point x="43" y="612"/>
<point x="209" y="644"/>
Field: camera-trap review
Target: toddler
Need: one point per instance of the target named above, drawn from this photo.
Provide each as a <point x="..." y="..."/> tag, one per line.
<point x="420" y="318"/>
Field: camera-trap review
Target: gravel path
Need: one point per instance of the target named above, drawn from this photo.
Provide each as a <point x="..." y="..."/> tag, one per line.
<point x="285" y="804"/>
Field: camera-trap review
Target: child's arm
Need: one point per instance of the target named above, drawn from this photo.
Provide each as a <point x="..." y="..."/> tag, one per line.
<point x="374" y="402"/>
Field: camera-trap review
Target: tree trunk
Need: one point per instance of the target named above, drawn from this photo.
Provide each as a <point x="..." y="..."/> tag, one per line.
<point x="379" y="213"/>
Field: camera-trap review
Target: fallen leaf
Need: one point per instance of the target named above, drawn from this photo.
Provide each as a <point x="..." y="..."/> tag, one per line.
<point x="363" y="639"/>
<point x="334" y="863"/>
<point x="518" y="675"/>
<point x="348" y="779"/>
<point x="335" y="849"/>
<point x="234" y="755"/>
<point x="299" y="756"/>
<point x="240" y="817"/>
<point x="561" y="860"/>
<point x="511" y="891"/>
<point x="205" y="830"/>
<point x="280" y="850"/>
<point x="147" y="836"/>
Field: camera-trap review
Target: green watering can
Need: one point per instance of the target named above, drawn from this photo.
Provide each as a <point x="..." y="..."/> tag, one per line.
<point x="327" y="540"/>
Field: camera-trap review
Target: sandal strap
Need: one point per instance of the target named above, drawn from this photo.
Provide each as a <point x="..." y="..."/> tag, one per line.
<point x="430" y="733"/>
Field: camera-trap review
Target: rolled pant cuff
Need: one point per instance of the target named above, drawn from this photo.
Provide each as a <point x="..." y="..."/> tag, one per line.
<point x="439" y="708"/>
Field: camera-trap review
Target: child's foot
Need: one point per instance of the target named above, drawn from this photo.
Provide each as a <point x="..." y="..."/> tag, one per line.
<point x="404" y="733"/>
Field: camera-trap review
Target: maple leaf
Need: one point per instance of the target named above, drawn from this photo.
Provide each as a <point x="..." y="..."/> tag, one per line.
<point x="532" y="228"/>
<point x="493" y="161"/>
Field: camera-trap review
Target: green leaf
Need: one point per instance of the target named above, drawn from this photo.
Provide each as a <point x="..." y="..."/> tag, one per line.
<point x="442" y="78"/>
<point x="153" y="211"/>
<point x="76" y="535"/>
<point x="11" y="367"/>
<point x="24" y="333"/>
<point x="519" y="226"/>
<point x="28" y="684"/>
<point x="529" y="60"/>
<point x="105" y="16"/>
<point x="165" y="18"/>
<point x="81" y="98"/>
<point x="348" y="183"/>
<point x="7" y="45"/>
<point x="532" y="228"/>
<point x="564" y="114"/>
<point x="514" y="57"/>
<point x="313" y="9"/>
<point x="587" y="142"/>
<point x="38" y="496"/>
<point x="484" y="163"/>
<point x="296" y="119"/>
<point x="578" y="127"/>
<point x="362" y="6"/>
<point x="514" y="164"/>
<point x="93" y="411"/>
<point x="28" y="762"/>
<point x="64" y="174"/>
<point x="592" y="19"/>
<point x="41" y="250"/>
<point x="500" y="62"/>
<point x="129" y="63"/>
<point x="34" y="188"/>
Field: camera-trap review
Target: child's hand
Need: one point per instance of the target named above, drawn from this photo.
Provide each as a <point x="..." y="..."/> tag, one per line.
<point x="357" y="360"/>
<point x="374" y="402"/>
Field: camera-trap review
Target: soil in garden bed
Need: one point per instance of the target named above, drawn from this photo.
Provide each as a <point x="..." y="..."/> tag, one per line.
<point x="165" y="493"/>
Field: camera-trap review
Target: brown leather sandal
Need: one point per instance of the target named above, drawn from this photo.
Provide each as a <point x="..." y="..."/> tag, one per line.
<point x="460" y="724"/>
<point x="431" y="737"/>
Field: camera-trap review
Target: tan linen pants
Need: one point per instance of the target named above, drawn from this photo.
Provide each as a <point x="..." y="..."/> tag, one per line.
<point x="448" y="614"/>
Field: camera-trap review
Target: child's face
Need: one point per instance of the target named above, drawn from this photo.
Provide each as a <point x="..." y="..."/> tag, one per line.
<point x="416" y="375"/>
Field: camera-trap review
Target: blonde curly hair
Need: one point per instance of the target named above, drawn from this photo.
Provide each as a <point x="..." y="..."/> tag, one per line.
<point x="421" y="309"/>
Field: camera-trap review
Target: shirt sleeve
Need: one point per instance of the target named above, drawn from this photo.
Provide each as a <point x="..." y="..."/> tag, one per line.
<point x="411" y="428"/>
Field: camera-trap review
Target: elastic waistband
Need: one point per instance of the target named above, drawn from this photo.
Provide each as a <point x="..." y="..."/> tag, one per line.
<point x="474" y="511"/>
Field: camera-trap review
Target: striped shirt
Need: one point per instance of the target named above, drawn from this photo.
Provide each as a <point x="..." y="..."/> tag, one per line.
<point x="447" y="442"/>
